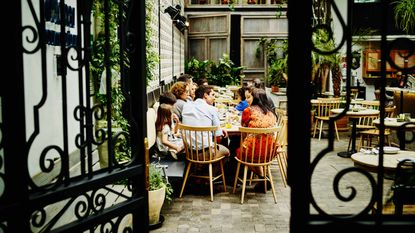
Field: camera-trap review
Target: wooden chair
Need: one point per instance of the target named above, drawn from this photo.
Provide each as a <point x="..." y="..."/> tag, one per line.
<point x="390" y="111"/>
<point x="260" y="153"/>
<point x="281" y="156"/>
<point x="323" y="109"/>
<point x="369" y="131"/>
<point x="371" y="104"/>
<point x="201" y="149"/>
<point x="354" y="93"/>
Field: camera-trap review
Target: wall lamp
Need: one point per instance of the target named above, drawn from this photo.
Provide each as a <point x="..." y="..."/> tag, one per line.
<point x="179" y="20"/>
<point x="173" y="11"/>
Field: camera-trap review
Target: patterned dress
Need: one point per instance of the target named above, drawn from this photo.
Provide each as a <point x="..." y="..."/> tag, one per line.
<point x="254" y="117"/>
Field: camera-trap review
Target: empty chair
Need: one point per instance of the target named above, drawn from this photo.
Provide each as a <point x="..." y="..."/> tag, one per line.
<point x="371" y="104"/>
<point x="323" y="110"/>
<point x="370" y="132"/>
<point x="258" y="150"/>
<point x="201" y="149"/>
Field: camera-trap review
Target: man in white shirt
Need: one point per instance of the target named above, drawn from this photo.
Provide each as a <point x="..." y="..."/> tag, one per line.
<point x="201" y="112"/>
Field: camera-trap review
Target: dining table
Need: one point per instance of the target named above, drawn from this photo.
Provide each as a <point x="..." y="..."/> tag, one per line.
<point x="354" y="114"/>
<point x="395" y="124"/>
<point x="391" y="157"/>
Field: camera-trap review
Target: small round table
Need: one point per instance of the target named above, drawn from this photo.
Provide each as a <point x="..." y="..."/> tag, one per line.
<point x="354" y="117"/>
<point x="392" y="123"/>
<point x="370" y="162"/>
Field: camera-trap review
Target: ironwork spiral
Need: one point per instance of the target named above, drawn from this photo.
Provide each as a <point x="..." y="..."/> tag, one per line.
<point x="99" y="134"/>
<point x="34" y="32"/>
<point x="38" y="218"/>
<point x="401" y="44"/>
<point x="336" y="183"/>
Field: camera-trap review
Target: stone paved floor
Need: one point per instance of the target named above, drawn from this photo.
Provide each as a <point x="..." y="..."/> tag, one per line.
<point x="195" y="213"/>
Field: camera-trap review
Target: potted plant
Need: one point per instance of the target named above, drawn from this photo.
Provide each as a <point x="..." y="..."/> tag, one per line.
<point x="277" y="74"/>
<point x="221" y="73"/>
<point x="159" y="189"/>
<point x="276" y="56"/>
<point x="404" y="13"/>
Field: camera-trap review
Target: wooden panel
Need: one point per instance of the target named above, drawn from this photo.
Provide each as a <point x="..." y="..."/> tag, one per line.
<point x="249" y="58"/>
<point x="208" y="24"/>
<point x="264" y="25"/>
<point x="372" y="62"/>
<point x="217" y="47"/>
<point x="197" y="48"/>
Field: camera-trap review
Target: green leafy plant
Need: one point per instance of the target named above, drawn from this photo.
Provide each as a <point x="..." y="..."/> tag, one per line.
<point x="198" y="69"/>
<point x="152" y="56"/>
<point x="225" y="72"/>
<point x="157" y="181"/>
<point x="276" y="54"/>
<point x="221" y="73"/>
<point x="97" y="68"/>
<point x="404" y="12"/>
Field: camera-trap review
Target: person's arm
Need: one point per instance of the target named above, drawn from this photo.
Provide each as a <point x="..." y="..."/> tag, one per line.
<point x="166" y="142"/>
<point x="215" y="120"/>
<point x="176" y="124"/>
<point x="246" y="117"/>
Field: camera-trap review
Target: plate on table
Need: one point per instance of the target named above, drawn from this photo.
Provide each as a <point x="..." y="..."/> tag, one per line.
<point x="390" y="150"/>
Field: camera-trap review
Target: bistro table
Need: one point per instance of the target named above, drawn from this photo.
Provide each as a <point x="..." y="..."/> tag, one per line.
<point x="370" y="162"/>
<point x="393" y="124"/>
<point x="354" y="117"/>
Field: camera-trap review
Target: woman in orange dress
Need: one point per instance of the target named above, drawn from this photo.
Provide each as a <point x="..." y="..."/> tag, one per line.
<point x="257" y="115"/>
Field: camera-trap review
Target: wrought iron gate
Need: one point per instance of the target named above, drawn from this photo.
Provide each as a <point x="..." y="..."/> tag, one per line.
<point x="309" y="214"/>
<point x="67" y="161"/>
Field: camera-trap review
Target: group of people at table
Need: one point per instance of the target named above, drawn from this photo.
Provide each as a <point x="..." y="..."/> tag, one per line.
<point x="193" y="104"/>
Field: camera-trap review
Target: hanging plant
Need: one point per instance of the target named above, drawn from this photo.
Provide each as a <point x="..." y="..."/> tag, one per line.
<point x="404" y="12"/>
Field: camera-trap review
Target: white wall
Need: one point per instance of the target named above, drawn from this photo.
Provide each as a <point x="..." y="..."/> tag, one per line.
<point x="50" y="111"/>
<point x="47" y="85"/>
<point x="171" y="43"/>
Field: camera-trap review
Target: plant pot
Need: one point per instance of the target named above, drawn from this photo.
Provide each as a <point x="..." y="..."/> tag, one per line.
<point x="155" y="203"/>
<point x="103" y="148"/>
<point x="275" y="88"/>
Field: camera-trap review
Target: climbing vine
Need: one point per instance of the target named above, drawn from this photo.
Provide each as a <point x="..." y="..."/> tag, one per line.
<point x="152" y="56"/>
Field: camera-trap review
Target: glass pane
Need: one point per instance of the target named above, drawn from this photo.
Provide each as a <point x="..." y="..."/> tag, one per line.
<point x="251" y="58"/>
<point x="197" y="49"/>
<point x="217" y="48"/>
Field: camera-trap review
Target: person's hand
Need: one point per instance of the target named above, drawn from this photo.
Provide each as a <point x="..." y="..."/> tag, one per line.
<point x="224" y="133"/>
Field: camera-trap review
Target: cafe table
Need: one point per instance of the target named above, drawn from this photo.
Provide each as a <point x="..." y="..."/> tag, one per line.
<point x="354" y="116"/>
<point x="370" y="162"/>
<point x="394" y="124"/>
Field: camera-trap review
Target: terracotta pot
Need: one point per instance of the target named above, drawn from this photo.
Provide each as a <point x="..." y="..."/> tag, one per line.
<point x="275" y="88"/>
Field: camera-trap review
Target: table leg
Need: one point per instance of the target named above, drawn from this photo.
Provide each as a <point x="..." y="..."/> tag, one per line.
<point x="401" y="138"/>
<point x="347" y="154"/>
